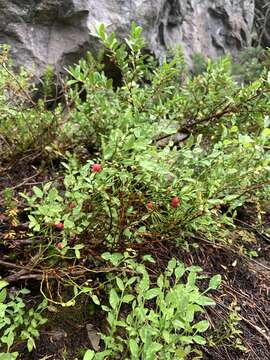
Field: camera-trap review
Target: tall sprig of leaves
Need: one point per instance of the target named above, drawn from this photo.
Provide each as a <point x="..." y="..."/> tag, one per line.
<point x="26" y="125"/>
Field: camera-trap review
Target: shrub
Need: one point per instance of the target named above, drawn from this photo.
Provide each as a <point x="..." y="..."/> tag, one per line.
<point x="222" y="167"/>
<point x="16" y="322"/>
<point x="160" y="157"/>
<point x="25" y="125"/>
<point x="162" y="321"/>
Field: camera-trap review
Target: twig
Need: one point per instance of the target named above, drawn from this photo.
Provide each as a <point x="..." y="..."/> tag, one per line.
<point x="11" y="265"/>
<point x="18" y="83"/>
<point x="23" y="183"/>
<point x="259" y="330"/>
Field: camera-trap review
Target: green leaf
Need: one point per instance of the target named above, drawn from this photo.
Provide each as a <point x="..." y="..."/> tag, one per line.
<point x="101" y="31"/>
<point x="160" y="281"/>
<point x="77" y="249"/>
<point x="167" y="336"/>
<point x="131" y="280"/>
<point x="113" y="299"/>
<point x="266" y="132"/>
<point x="201" y="326"/>
<point x="155" y="347"/>
<point x="3" y="295"/>
<point x="178" y="324"/>
<point x="128" y="298"/>
<point x="9" y="356"/>
<point x="134" y="348"/>
<point x="8" y="339"/>
<point x="194" y="268"/>
<point x="148" y="258"/>
<point x="89" y="355"/>
<point x="268" y="77"/>
<point x="205" y="301"/>
<point x="3" y="283"/>
<point x="47" y="186"/>
<point x="33" y="223"/>
<point x="111" y="319"/>
<point x="30" y="344"/>
<point x="105" y="308"/>
<point x="38" y="192"/>
<point x="144" y="283"/>
<point x="192" y="276"/>
<point x="179" y="271"/>
<point x="145" y="334"/>
<point x="69" y="303"/>
<point x="199" y="340"/>
<point x="190" y="313"/>
<point x="120" y="284"/>
<point x="25" y="291"/>
<point x="215" y="282"/>
<point x="77" y="253"/>
<point x="121" y="323"/>
<point x="186" y="339"/>
<point x="69" y="224"/>
<point x="151" y="293"/>
<point x="115" y="258"/>
<point x="171" y="265"/>
<point x="95" y="299"/>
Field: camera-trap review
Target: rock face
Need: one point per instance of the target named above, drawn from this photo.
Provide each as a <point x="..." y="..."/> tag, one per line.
<point x="56" y="32"/>
<point x="262" y="23"/>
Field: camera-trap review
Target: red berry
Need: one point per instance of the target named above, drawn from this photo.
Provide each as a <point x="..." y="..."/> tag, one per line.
<point x="59" y="226"/>
<point x="150" y="205"/>
<point x="60" y="245"/>
<point x="175" y="201"/>
<point x="96" y="168"/>
<point x="71" y="205"/>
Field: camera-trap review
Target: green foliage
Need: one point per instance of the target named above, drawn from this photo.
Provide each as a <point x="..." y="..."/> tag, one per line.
<point x="16" y="322"/>
<point x="199" y="64"/>
<point x="252" y="64"/>
<point x="147" y="322"/>
<point x="25" y="125"/>
<point x="156" y="136"/>
<point x="220" y="166"/>
<point x="8" y="356"/>
<point x="228" y="331"/>
<point x="229" y="174"/>
<point x="8" y="197"/>
<point x="111" y="109"/>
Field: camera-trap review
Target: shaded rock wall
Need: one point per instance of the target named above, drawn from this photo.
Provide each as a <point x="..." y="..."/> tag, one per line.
<point x="56" y="32"/>
<point x="262" y="23"/>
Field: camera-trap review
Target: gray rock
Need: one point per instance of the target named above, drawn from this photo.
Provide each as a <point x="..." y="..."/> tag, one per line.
<point x="56" y="32"/>
<point x="262" y="23"/>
